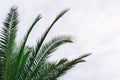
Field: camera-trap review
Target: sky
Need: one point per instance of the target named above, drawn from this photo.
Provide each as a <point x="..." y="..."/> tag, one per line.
<point x="94" y="25"/>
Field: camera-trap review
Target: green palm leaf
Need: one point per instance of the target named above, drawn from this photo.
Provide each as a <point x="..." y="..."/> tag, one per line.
<point x="22" y="46"/>
<point x="40" y="42"/>
<point x="48" y="49"/>
<point x="7" y="42"/>
<point x="31" y="63"/>
<point x="61" y="69"/>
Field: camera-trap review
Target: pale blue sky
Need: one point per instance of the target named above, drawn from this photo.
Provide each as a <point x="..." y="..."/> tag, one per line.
<point x="94" y="24"/>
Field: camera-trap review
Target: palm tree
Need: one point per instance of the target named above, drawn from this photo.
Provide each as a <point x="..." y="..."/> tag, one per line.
<point x="22" y="62"/>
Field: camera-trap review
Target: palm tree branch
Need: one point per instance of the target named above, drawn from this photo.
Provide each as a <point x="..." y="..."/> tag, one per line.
<point x="49" y="48"/>
<point x="22" y="46"/>
<point x="45" y="71"/>
<point x="39" y="44"/>
<point x="7" y="41"/>
<point x="61" y="69"/>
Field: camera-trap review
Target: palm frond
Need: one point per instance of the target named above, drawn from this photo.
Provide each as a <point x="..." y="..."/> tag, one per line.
<point x="68" y="65"/>
<point x="44" y="71"/>
<point x="40" y="42"/>
<point x="51" y="46"/>
<point x="7" y="42"/>
<point x="61" y="69"/>
<point x="46" y="50"/>
<point x="22" y="46"/>
<point x="31" y="63"/>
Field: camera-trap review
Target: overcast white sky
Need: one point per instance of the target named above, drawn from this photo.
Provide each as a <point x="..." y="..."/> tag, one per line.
<point x="94" y="24"/>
